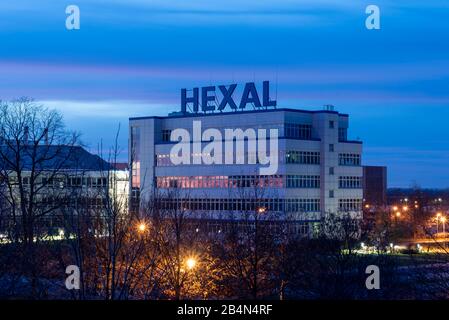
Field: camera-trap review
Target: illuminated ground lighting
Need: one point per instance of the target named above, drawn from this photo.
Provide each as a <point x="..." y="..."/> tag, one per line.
<point x="191" y="263"/>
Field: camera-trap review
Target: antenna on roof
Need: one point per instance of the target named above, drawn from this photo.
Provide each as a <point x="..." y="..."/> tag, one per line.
<point x="329" y="107"/>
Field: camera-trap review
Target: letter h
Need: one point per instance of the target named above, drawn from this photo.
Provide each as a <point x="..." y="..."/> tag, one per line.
<point x="185" y="100"/>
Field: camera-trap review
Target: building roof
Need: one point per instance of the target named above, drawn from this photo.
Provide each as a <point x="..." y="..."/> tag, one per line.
<point x="120" y="166"/>
<point x="201" y="114"/>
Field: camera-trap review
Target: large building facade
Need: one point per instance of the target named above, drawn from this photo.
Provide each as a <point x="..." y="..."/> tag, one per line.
<point x="318" y="171"/>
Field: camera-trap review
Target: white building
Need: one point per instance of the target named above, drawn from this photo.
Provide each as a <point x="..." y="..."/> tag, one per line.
<point x="319" y="169"/>
<point x="62" y="180"/>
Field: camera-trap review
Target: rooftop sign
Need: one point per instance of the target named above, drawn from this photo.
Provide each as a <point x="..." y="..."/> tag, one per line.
<point x="210" y="102"/>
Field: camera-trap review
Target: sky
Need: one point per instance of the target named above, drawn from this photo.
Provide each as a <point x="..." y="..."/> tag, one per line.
<point x="131" y="58"/>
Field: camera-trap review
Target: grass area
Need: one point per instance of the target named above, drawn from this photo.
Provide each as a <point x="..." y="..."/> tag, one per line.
<point x="420" y="258"/>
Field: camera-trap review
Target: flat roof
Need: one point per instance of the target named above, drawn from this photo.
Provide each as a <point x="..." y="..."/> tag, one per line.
<point x="200" y="114"/>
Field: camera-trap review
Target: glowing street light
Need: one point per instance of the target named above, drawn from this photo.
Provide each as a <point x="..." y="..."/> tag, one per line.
<point x="261" y="210"/>
<point x="191" y="263"/>
<point x="398" y="214"/>
<point x="395" y="208"/>
<point x="404" y="208"/>
<point x="141" y="227"/>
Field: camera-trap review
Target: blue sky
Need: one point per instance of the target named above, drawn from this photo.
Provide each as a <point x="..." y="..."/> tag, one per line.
<point x="131" y="57"/>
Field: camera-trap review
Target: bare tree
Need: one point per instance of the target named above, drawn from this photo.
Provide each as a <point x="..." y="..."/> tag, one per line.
<point x="35" y="147"/>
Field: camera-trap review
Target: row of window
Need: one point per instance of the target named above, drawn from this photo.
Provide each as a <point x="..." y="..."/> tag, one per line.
<point x="69" y="182"/>
<point x="242" y="205"/>
<point x="348" y="182"/>
<point x="275" y="181"/>
<point x="347" y="205"/>
<point x="293" y="227"/>
<point x="302" y="181"/>
<point x="302" y="157"/>
<point x="291" y="157"/>
<point x="298" y="131"/>
<point x="291" y="130"/>
<point x="246" y="181"/>
<point x="349" y="159"/>
<point x="73" y="202"/>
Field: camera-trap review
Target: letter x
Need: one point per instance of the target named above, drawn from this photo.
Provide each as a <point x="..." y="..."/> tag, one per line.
<point x="227" y="97"/>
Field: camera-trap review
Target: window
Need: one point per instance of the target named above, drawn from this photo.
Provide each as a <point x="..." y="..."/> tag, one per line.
<point x="331" y="171"/>
<point x="346" y="205"/>
<point x="349" y="159"/>
<point x="75" y="181"/>
<point x="342" y="134"/>
<point x="302" y="205"/>
<point x="331" y="124"/>
<point x="26" y="181"/>
<point x="302" y="157"/>
<point x="347" y="182"/>
<point x="331" y="193"/>
<point x="299" y="181"/>
<point x="331" y="148"/>
<point x="166" y="135"/>
<point x="298" y="131"/>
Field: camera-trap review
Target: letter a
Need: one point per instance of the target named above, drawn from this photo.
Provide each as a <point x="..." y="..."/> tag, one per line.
<point x="373" y="280"/>
<point x="72" y="22"/>
<point x="373" y="20"/>
<point x="73" y="280"/>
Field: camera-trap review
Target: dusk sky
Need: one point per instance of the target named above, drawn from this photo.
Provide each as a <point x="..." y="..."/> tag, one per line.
<point x="131" y="57"/>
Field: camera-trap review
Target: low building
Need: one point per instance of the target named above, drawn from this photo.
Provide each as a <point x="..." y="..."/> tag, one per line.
<point x="58" y="181"/>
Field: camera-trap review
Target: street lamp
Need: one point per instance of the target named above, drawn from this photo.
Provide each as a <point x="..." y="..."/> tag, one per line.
<point x="443" y="220"/>
<point x="438" y="218"/>
<point x="191" y="263"/>
<point x="141" y="227"/>
<point x="261" y="210"/>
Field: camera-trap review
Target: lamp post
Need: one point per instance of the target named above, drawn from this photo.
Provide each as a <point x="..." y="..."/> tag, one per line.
<point x="438" y="218"/>
<point x="443" y="220"/>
